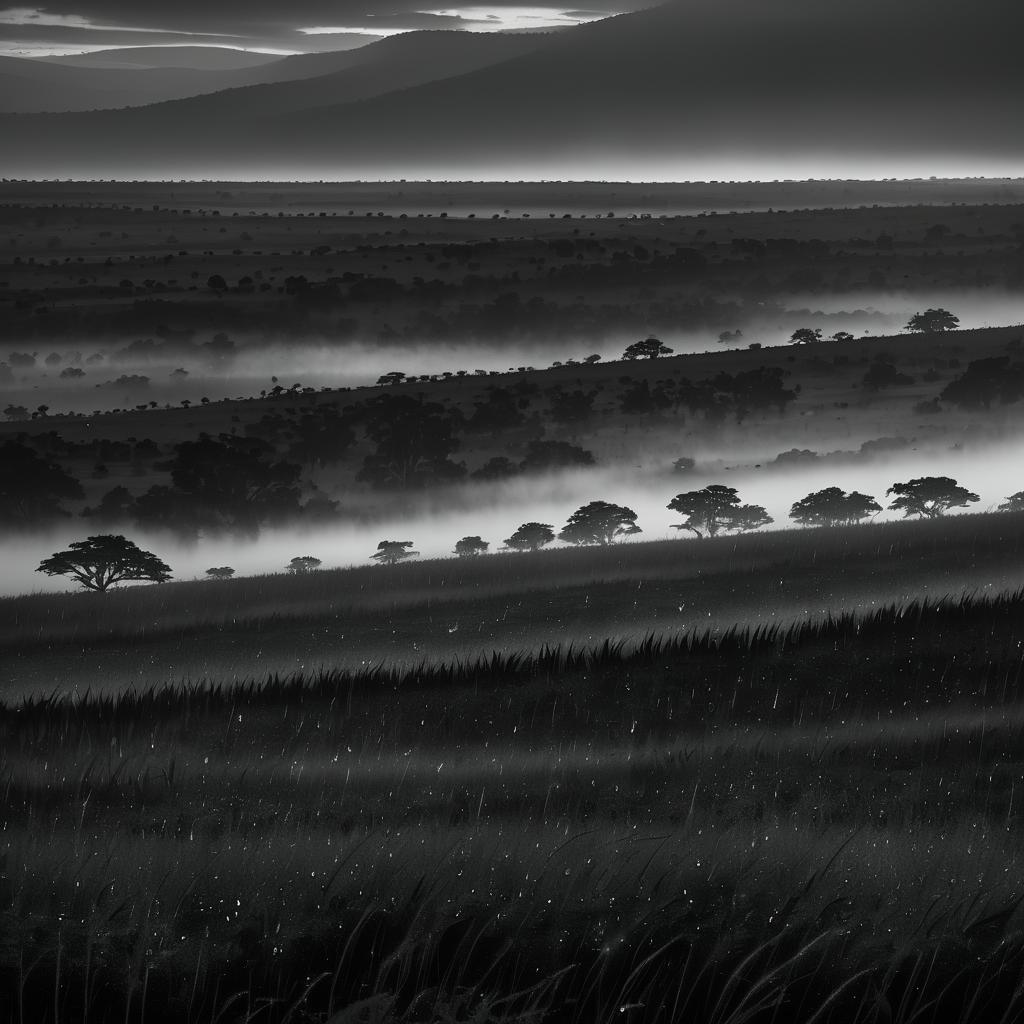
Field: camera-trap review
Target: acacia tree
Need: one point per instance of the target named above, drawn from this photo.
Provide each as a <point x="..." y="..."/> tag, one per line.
<point x="302" y="564"/>
<point x="600" y="523"/>
<point x="1014" y="503"/>
<point x="929" y="496"/>
<point x="469" y="547"/>
<point x="100" y="561"/>
<point x="748" y="517"/>
<point x="530" y="537"/>
<point x="832" y="506"/>
<point x="933" y="320"/>
<point x="649" y="348"/>
<point x="706" y="510"/>
<point x="805" y="335"/>
<point x="391" y="552"/>
<point x="220" y="572"/>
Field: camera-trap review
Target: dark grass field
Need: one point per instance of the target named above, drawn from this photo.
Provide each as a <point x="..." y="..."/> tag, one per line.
<point x="809" y="823"/>
<point x="440" y="610"/>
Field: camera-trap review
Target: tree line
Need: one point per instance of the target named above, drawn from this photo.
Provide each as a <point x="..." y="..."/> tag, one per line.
<point x="103" y="560"/>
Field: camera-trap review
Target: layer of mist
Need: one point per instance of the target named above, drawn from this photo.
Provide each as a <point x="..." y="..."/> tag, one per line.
<point x="319" y="362"/>
<point x="495" y="511"/>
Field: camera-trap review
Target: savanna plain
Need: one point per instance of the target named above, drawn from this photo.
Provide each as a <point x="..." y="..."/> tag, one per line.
<point x="690" y="689"/>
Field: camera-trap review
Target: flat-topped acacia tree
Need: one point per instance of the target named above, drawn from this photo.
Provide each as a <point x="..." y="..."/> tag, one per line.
<point x="101" y="561"/>
<point x="301" y="565"/>
<point x="932" y="321"/>
<point x="471" y="547"/>
<point x="391" y="552"/>
<point x="929" y="496"/>
<point x="715" y="508"/>
<point x="530" y="537"/>
<point x="599" y="522"/>
<point x="832" y="506"/>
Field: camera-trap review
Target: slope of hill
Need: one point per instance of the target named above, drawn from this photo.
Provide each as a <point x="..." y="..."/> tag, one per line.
<point x="34" y="86"/>
<point x="206" y="58"/>
<point x="688" y="86"/>
<point x="399" y="62"/>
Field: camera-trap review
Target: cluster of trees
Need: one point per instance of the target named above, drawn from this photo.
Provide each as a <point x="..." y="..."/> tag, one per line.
<point x="99" y="562"/>
<point x="985" y="382"/>
<point x="930" y="321"/>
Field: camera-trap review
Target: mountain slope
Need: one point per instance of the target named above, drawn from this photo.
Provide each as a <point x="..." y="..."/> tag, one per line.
<point x="34" y="86"/>
<point x="691" y="86"/>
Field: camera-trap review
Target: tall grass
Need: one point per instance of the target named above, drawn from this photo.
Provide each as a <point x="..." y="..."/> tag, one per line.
<point x="816" y="822"/>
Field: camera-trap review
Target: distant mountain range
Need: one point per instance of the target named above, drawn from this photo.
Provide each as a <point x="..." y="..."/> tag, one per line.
<point x="93" y="82"/>
<point x="689" y="89"/>
<point x="208" y="58"/>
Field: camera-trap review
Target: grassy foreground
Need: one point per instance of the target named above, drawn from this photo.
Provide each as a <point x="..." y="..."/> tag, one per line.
<point x="817" y="823"/>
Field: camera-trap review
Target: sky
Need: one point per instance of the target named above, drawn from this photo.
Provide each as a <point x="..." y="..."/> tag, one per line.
<point x="75" y="26"/>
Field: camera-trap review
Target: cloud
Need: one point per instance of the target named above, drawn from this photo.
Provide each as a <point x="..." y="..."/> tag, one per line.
<point x="270" y="23"/>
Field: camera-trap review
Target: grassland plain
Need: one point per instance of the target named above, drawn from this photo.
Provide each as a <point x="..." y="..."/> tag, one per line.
<point x="812" y="823"/>
<point x="445" y="609"/>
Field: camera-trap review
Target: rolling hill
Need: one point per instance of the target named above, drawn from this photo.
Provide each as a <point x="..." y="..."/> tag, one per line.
<point x="205" y="58"/>
<point x="33" y="86"/>
<point x="692" y="86"/>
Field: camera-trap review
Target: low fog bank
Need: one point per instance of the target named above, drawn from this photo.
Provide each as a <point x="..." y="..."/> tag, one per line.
<point x="112" y="380"/>
<point x="494" y="511"/>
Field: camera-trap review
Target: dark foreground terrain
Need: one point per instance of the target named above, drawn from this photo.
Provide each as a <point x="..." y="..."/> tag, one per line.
<point x="440" y="610"/>
<point x="816" y="823"/>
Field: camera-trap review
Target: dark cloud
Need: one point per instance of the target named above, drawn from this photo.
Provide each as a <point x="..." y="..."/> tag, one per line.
<point x="271" y="23"/>
<point x="35" y="37"/>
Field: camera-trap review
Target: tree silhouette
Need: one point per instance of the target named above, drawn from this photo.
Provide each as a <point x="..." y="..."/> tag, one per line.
<point x="933" y="320"/>
<point x="805" y="335"/>
<point x="391" y="552"/>
<point x="220" y="572"/>
<point x="530" y="537"/>
<point x="1014" y="503"/>
<point x="649" y="348"/>
<point x="469" y="547"/>
<point x="499" y="410"/>
<point x="32" y="487"/>
<point x="544" y="456"/>
<point x="303" y="564"/>
<point x="414" y="440"/>
<point x="568" y="407"/>
<point x="599" y="523"/>
<point x="320" y="437"/>
<point x="116" y="506"/>
<point x="929" y="496"/>
<point x="986" y="381"/>
<point x="832" y="506"/>
<point x="225" y="484"/>
<point x="747" y="517"/>
<point x="101" y="561"/>
<point x="707" y="510"/>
